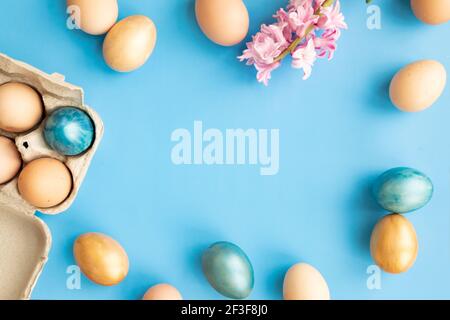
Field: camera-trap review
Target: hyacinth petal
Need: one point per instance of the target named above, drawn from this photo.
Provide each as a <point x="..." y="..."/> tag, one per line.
<point x="264" y="72"/>
<point x="304" y="58"/>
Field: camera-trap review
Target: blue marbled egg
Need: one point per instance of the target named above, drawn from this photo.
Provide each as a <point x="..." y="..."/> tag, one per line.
<point x="69" y="131"/>
<point x="402" y="190"/>
<point x="228" y="270"/>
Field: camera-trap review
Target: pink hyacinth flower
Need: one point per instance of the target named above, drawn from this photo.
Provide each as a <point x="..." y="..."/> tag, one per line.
<point x="334" y="17"/>
<point x="305" y="29"/>
<point x="267" y="45"/>
<point x="304" y="57"/>
<point x="326" y="43"/>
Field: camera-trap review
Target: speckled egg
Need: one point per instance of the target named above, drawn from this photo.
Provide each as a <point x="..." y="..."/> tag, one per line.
<point x="70" y="131"/>
<point x="417" y="86"/>
<point x="45" y="182"/>
<point x="228" y="270"/>
<point x="402" y="190"/>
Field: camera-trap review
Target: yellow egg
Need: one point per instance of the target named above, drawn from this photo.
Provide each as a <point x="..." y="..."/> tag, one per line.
<point x="162" y="292"/>
<point x="94" y="17"/>
<point x="45" y="182"/>
<point x="224" y="22"/>
<point x="418" y="86"/>
<point x="393" y="244"/>
<point x="129" y="44"/>
<point x="101" y="258"/>
<point x="21" y="107"/>
<point x="431" y="11"/>
<point x="304" y="282"/>
<point x="10" y="160"/>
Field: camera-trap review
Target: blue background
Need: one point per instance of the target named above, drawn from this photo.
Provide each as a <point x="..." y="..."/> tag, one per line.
<point x="338" y="132"/>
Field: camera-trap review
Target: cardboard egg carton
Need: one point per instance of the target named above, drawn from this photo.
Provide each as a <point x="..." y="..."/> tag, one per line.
<point x="25" y="240"/>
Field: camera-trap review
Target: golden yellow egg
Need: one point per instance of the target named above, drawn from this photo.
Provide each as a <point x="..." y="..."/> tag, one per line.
<point x="393" y="244"/>
<point x="94" y="17"/>
<point x="224" y="22"/>
<point x="129" y="44"/>
<point x="101" y="258"/>
<point x="431" y="11"/>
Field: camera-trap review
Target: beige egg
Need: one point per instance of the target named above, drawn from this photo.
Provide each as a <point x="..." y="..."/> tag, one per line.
<point x="101" y="258"/>
<point x="224" y="22"/>
<point x="94" y="17"/>
<point x="45" y="182"/>
<point x="431" y="11"/>
<point x="129" y="44"/>
<point x="21" y="107"/>
<point x="10" y="160"/>
<point x="304" y="282"/>
<point x="162" y="291"/>
<point x="418" y="86"/>
<point x="393" y="244"/>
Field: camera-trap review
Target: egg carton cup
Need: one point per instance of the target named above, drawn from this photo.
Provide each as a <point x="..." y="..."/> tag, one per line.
<point x="25" y="240"/>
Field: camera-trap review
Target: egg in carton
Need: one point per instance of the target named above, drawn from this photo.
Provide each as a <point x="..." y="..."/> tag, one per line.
<point x="25" y="240"/>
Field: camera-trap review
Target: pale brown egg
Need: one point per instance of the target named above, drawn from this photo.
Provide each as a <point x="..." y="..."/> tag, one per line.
<point x="101" y="258"/>
<point x="94" y="17"/>
<point x="304" y="282"/>
<point x="431" y="11"/>
<point x="393" y="244"/>
<point x="418" y="86"/>
<point x="129" y="44"/>
<point x="162" y="291"/>
<point x="45" y="182"/>
<point x="224" y="22"/>
<point x="10" y="160"/>
<point x="21" y="107"/>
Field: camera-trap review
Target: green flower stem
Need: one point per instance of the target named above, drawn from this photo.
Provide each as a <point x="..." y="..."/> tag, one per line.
<point x="296" y="42"/>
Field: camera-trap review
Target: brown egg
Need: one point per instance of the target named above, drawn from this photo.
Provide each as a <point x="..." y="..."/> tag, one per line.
<point x="45" y="182"/>
<point x="129" y="44"/>
<point x="418" y="86"/>
<point x="162" y="292"/>
<point x="224" y="22"/>
<point x="101" y="258"/>
<point x="10" y="160"/>
<point x="431" y="11"/>
<point x="304" y="282"/>
<point x="393" y="244"/>
<point x="94" y="17"/>
<point x="21" y="107"/>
